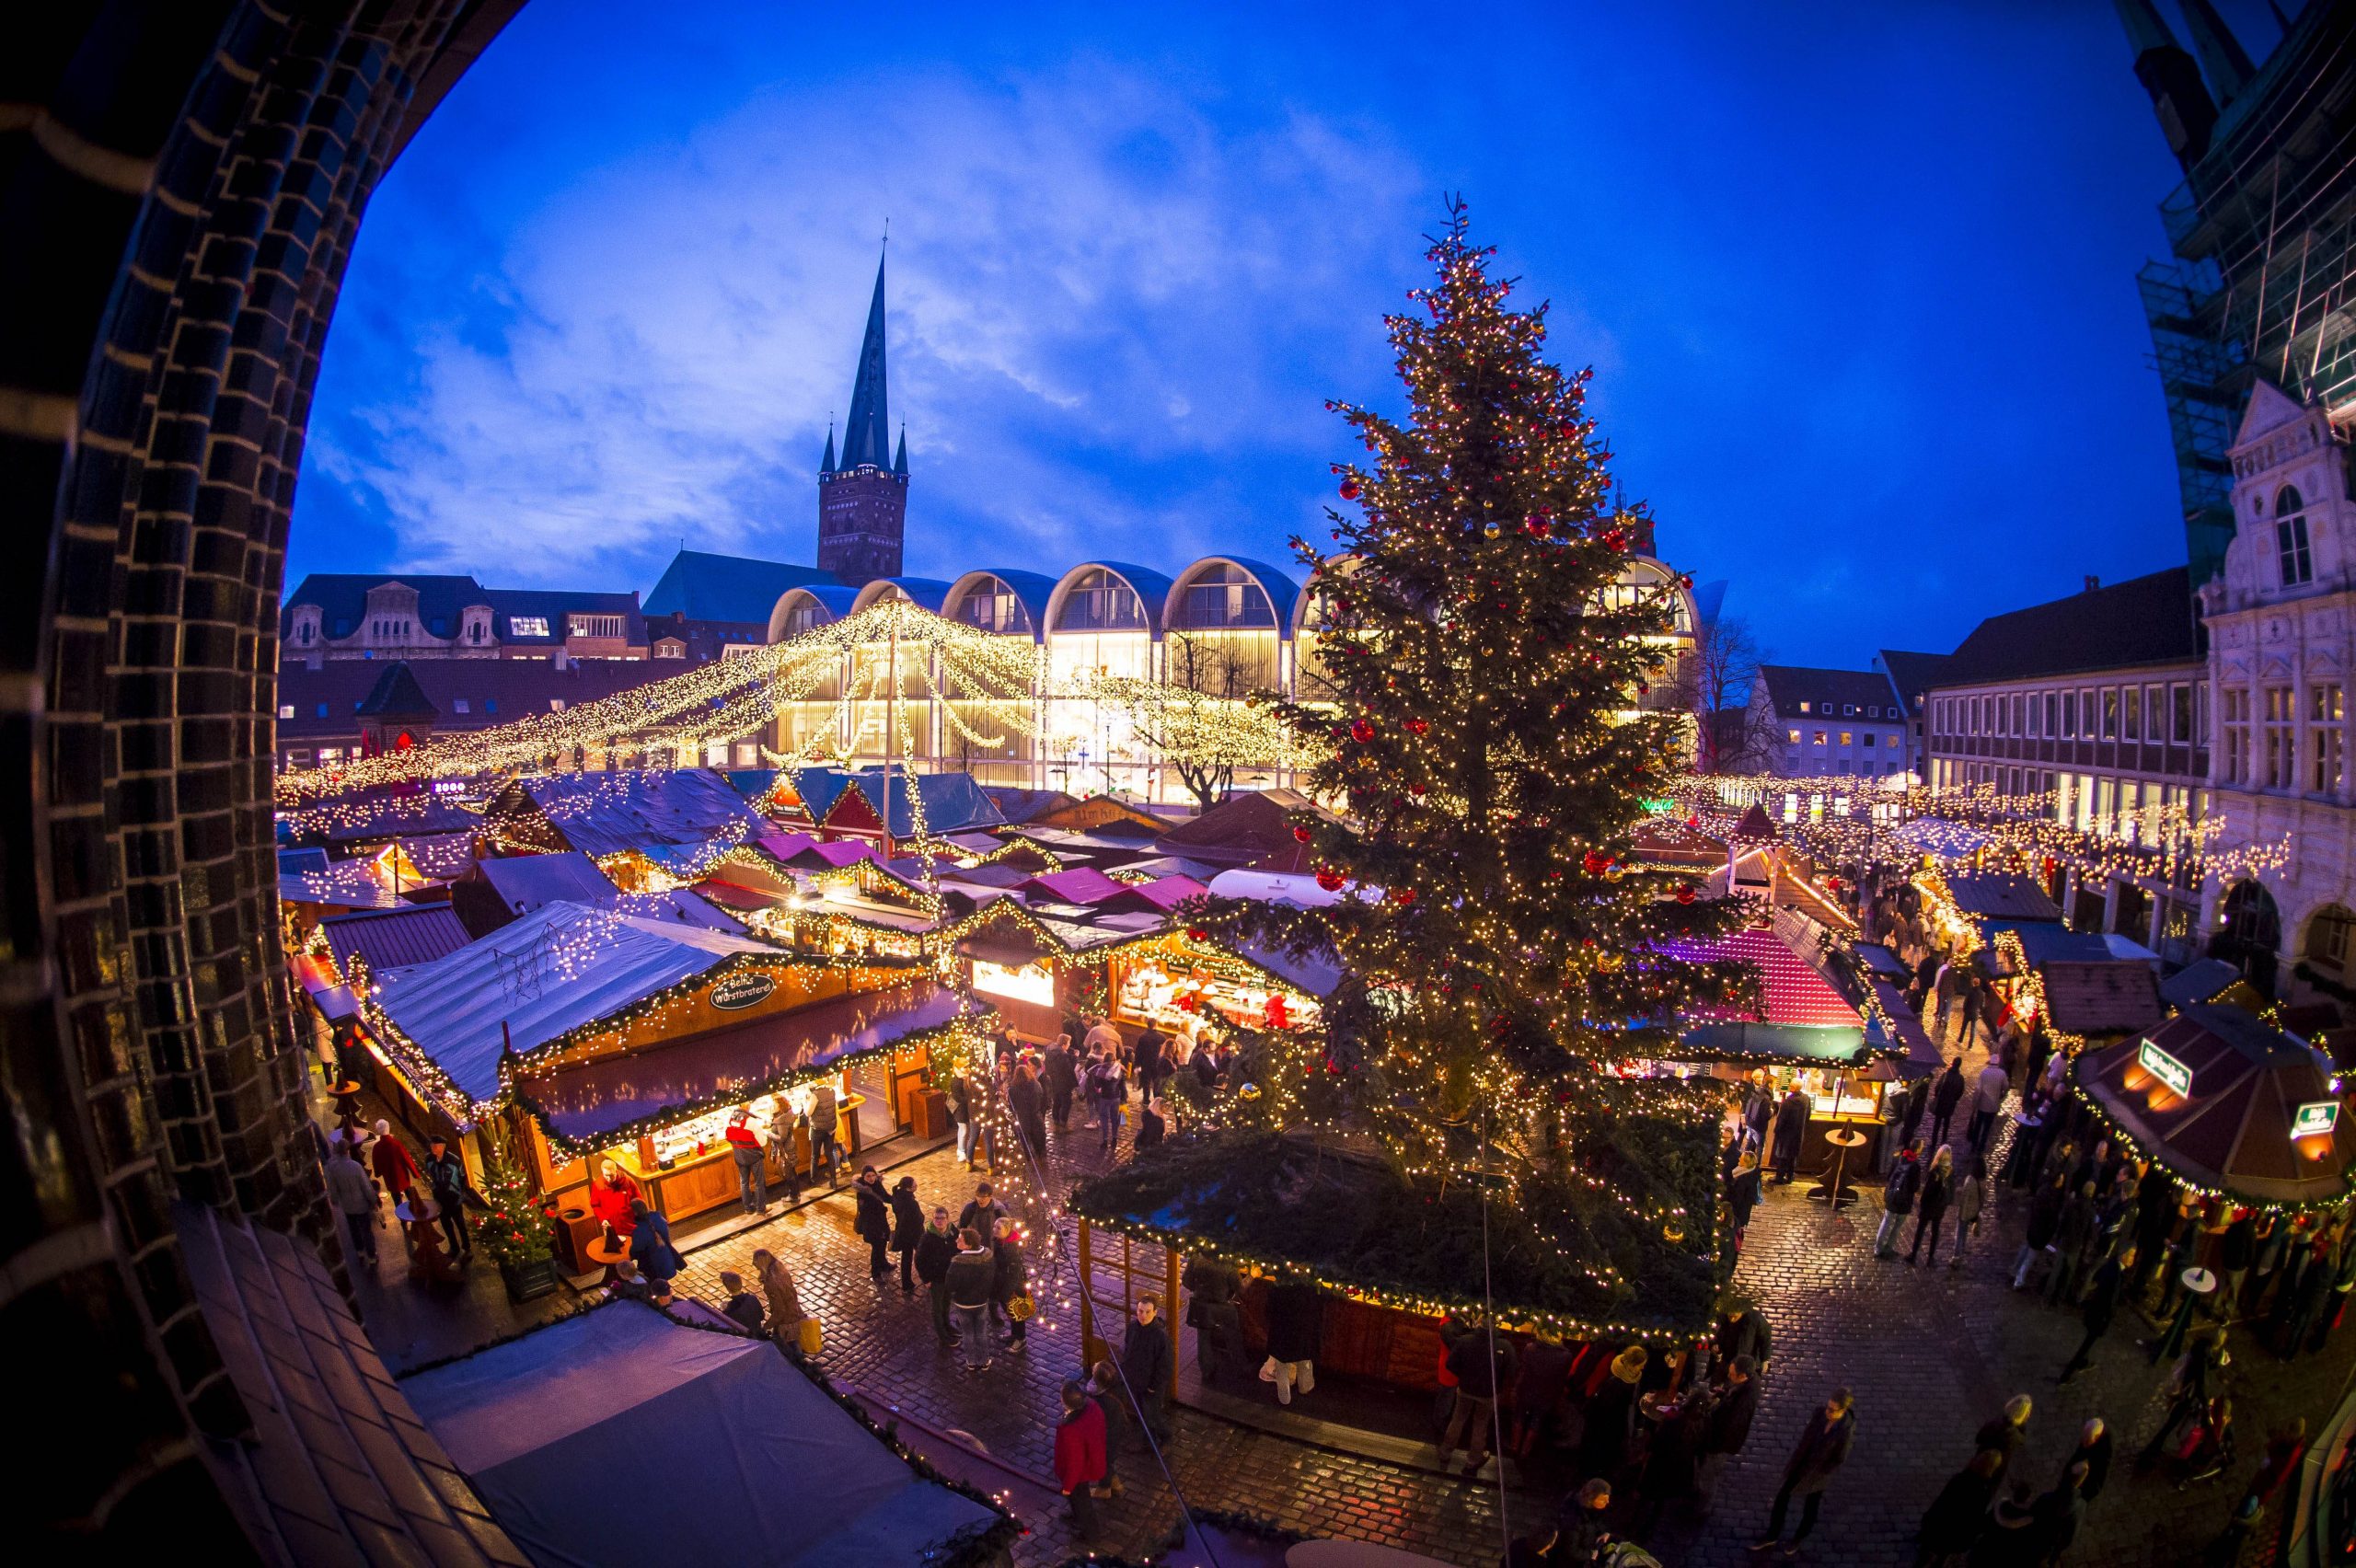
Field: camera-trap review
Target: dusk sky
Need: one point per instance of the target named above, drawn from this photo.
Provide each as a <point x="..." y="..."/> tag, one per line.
<point x="1858" y="282"/>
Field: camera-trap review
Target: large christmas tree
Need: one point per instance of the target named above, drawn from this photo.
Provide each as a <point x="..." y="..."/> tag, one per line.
<point x="1481" y="722"/>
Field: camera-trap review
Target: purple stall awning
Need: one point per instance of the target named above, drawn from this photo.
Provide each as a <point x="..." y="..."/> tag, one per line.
<point x="597" y="1100"/>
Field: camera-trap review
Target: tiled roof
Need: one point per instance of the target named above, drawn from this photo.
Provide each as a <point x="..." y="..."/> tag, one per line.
<point x="708" y="587"/>
<point x="1913" y="673"/>
<point x="2145" y="621"/>
<point x="392" y="939"/>
<point x="2102" y="999"/>
<point x="552" y="606"/>
<point x="495" y="691"/>
<point x="1829" y="693"/>
<point x="343" y="596"/>
<point x="2000" y="897"/>
<point x="396" y="695"/>
<point x="338" y="1469"/>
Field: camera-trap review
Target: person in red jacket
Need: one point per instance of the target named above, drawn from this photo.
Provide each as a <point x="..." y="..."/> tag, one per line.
<point x="611" y="1191"/>
<point x="1080" y="1456"/>
<point x="394" y="1165"/>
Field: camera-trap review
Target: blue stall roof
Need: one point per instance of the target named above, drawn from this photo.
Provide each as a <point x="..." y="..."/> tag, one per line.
<point x="730" y="1453"/>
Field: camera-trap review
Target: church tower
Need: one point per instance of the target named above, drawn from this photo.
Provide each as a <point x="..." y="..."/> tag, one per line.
<point x="864" y="494"/>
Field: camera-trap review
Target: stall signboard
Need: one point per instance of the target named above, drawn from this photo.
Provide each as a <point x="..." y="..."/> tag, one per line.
<point x="2167" y="1069"/>
<point x="2316" y="1118"/>
<point x="1033" y="982"/>
<point x="743" y="990"/>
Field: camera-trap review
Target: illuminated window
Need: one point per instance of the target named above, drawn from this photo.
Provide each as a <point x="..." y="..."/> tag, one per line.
<point x="1795" y="735"/>
<point x="286" y="710"/>
<point x="459" y="703"/>
<point x="2326" y="745"/>
<point x="528" y="626"/>
<point x="2280" y="763"/>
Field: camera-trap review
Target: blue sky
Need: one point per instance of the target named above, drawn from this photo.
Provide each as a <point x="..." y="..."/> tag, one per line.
<point x="1858" y="282"/>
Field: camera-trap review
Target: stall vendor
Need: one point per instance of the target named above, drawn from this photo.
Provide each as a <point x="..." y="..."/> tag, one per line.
<point x="611" y="1191"/>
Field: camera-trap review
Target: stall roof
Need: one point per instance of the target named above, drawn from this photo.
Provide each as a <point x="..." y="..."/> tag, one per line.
<point x="810" y="852"/>
<point x="1173" y="866"/>
<point x="1022" y="805"/>
<point x="1744" y="1040"/>
<point x="526" y="883"/>
<point x="345" y="884"/>
<point x="1273" y="887"/>
<point x="612" y="813"/>
<point x="1315" y="973"/>
<point x="2233" y="1130"/>
<point x="1240" y="829"/>
<point x="549" y="972"/>
<point x="2005" y="896"/>
<point x="393" y="938"/>
<point x="731" y="1453"/>
<point x="2206" y="980"/>
<point x="1164" y="894"/>
<point x="1081" y="885"/>
<point x="1792" y="990"/>
<point x="334" y="1465"/>
<point x="592" y="1100"/>
<point x="2107" y="996"/>
<point x="2042" y="944"/>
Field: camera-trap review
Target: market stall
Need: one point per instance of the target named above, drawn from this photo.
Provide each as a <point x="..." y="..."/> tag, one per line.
<point x="1179" y="985"/>
<point x="2229" y="1106"/>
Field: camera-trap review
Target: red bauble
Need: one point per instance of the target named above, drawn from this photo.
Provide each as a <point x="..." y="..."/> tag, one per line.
<point x="1190" y="1001"/>
<point x="1196" y="933"/>
<point x="1302" y="834"/>
<point x="1350" y="489"/>
<point x="1330" y="880"/>
<point x="1362" y="731"/>
<point x="1403" y="897"/>
<point x="1686" y="895"/>
<point x="1418" y="726"/>
<point x="1415" y="789"/>
<point x="1592" y="863"/>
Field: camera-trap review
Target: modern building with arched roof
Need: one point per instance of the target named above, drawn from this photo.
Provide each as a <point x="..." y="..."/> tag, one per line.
<point x="1228" y="627"/>
<point x="1001" y="600"/>
<point x="924" y="592"/>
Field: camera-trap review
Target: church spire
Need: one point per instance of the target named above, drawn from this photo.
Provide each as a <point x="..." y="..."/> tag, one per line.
<point x="826" y="464"/>
<point x="900" y="461"/>
<point x="867" y="436"/>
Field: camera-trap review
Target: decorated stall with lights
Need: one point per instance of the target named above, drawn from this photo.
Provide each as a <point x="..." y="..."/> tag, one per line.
<point x="578" y="1035"/>
<point x="2232" y="1108"/>
<point x="1802" y="1033"/>
<point x="645" y="827"/>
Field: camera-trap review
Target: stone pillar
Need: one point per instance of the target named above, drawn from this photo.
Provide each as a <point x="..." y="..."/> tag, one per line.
<point x="2110" y="903"/>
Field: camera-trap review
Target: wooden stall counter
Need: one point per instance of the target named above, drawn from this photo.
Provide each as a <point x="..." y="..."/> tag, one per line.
<point x="695" y="1183"/>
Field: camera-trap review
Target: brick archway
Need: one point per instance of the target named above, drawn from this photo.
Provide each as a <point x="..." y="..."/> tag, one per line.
<point x="180" y="186"/>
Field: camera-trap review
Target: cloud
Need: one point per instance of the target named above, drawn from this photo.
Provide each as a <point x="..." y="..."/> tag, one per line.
<point x="1113" y="318"/>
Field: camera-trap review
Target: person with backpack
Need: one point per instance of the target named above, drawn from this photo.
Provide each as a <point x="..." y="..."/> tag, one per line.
<point x="1896" y="1200"/>
<point x="825" y="1120"/>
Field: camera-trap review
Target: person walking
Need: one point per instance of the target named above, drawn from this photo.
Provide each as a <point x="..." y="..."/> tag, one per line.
<point x="907" y="1229"/>
<point x="825" y="1121"/>
<point x="1917" y="1102"/>
<point x="2072" y="1239"/>
<point x="1945" y="1097"/>
<point x="935" y="1246"/>
<point x="445" y="1173"/>
<point x="1080" y="1457"/>
<point x="1027" y="1099"/>
<point x="354" y="1197"/>
<point x="1104" y="1388"/>
<point x="1931" y="1207"/>
<point x="1791" y="1129"/>
<point x="1296" y="1320"/>
<point x="1969" y="1195"/>
<point x="393" y="1163"/>
<point x="1952" y="1524"/>
<point x="2008" y="1538"/>
<point x="1897" y="1200"/>
<point x="2092" y="1452"/>
<point x="1151" y="1056"/>
<point x="784" y="1300"/>
<point x="1144" y="1366"/>
<point x="961" y="1113"/>
<point x="1822" y="1449"/>
<point x="1743" y="1193"/>
<point x="1482" y="1364"/>
<point x="2005" y="1432"/>
<point x="1730" y="1421"/>
<point x="785" y="1147"/>
<point x="2044" y="1221"/>
<point x="650" y="1249"/>
<point x="1008" y="1281"/>
<point x="1106" y="1092"/>
<point x="1062" y="1077"/>
<point x="972" y="1276"/>
<point x="2101" y="1305"/>
<point x="1987" y="1100"/>
<point x="872" y="1224"/>
<point x="744" y="1147"/>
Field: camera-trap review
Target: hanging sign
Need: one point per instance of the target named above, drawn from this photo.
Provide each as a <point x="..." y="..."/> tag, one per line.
<point x="2167" y="1069"/>
<point x="743" y="990"/>
<point x="2316" y="1118"/>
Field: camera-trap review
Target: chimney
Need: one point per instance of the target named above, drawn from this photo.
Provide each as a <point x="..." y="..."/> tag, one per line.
<point x="2092" y="582"/>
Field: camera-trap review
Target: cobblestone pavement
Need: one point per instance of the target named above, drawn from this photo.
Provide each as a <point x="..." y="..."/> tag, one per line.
<point x="1931" y="1352"/>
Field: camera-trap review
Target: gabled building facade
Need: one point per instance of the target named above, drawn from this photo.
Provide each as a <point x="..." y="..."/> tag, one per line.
<point x="334" y="616"/>
<point x="1815" y="723"/>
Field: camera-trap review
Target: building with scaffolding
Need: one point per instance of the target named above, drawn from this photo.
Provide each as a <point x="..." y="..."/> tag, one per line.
<point x="2261" y="278"/>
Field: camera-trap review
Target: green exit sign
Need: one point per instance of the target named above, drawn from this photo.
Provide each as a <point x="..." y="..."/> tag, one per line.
<point x="2167" y="1069"/>
<point x="2316" y="1118"/>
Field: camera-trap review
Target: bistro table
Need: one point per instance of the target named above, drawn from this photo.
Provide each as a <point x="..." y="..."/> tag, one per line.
<point x="1837" y="1192"/>
<point x="606" y="1254"/>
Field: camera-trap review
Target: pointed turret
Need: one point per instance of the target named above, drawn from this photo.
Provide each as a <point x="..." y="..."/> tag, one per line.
<point x="900" y="459"/>
<point x="867" y="436"/>
<point x="2186" y="113"/>
<point x="2222" y="57"/>
<point x="826" y="464"/>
